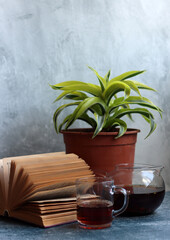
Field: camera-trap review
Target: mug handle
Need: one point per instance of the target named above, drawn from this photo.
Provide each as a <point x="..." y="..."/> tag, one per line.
<point x="126" y="201"/>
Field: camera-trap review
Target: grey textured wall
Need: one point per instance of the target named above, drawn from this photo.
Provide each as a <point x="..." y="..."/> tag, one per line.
<point x="45" y="42"/>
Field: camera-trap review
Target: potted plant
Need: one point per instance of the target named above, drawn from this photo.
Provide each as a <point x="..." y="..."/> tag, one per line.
<point x="108" y="141"/>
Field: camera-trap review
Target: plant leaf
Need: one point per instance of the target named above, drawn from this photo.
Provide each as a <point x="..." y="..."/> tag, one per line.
<point x="62" y="95"/>
<point x="129" y="115"/>
<point x="132" y="85"/>
<point x="84" y="106"/>
<point x="78" y="85"/>
<point x="59" y="110"/>
<point x="114" y="88"/>
<point x="126" y="75"/>
<point x="90" y="88"/>
<point x="96" y="109"/>
<point x="152" y="123"/>
<point x="76" y="96"/>
<point x="88" y="120"/>
<point x="141" y="111"/>
<point x="100" y="124"/>
<point x="121" y="124"/>
<point x="134" y="100"/>
<point x="143" y="86"/>
<point x="84" y="117"/>
<point x="64" y="122"/>
<point x="58" y="86"/>
<point x="66" y="84"/>
<point x="102" y="81"/>
<point x="106" y="77"/>
<point x="123" y="112"/>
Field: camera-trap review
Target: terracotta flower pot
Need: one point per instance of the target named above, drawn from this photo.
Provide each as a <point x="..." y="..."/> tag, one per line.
<point x="103" y="152"/>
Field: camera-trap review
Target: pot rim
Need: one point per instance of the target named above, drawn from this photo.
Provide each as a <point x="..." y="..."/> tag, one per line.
<point x="90" y="131"/>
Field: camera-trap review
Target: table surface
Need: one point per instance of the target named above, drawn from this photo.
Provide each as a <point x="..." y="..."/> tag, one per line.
<point x="154" y="226"/>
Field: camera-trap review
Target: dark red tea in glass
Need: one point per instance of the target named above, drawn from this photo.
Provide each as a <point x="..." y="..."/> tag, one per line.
<point x="95" y="212"/>
<point x="95" y="197"/>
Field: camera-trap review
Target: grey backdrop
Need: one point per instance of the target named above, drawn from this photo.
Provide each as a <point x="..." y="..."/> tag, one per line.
<point x="46" y="41"/>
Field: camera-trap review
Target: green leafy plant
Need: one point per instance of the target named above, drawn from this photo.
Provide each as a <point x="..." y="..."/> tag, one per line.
<point x="101" y="107"/>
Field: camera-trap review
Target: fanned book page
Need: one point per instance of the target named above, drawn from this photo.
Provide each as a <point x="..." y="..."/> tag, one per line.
<point x="40" y="189"/>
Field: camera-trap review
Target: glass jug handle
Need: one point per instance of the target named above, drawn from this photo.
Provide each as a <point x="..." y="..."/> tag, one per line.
<point x="126" y="201"/>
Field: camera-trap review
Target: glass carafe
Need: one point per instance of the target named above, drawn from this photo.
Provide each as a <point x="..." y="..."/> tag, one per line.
<point x="145" y="185"/>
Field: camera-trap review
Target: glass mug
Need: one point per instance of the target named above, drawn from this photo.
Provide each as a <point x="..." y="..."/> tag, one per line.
<point x="95" y="202"/>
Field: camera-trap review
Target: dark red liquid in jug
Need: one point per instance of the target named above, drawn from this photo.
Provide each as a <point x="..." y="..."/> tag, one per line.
<point x="142" y="200"/>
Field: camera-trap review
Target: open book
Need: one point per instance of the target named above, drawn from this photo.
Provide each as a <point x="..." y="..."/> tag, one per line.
<point x="40" y="189"/>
